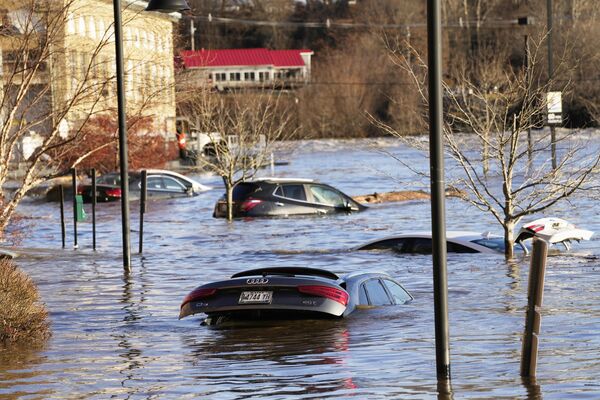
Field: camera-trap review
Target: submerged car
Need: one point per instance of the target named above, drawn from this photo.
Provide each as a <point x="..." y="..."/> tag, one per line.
<point x="159" y="183"/>
<point x="291" y="292"/>
<point x="272" y="197"/>
<point x="552" y="230"/>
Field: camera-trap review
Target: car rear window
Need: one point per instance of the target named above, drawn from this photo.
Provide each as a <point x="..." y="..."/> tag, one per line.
<point x="242" y="190"/>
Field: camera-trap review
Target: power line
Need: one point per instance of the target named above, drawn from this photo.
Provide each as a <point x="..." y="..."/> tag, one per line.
<point x="328" y="23"/>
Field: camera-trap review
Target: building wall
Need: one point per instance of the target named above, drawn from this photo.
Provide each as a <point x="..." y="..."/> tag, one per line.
<point x="86" y="61"/>
<point x="81" y="68"/>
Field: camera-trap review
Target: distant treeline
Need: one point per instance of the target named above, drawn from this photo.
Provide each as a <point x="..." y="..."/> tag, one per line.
<point x="354" y="79"/>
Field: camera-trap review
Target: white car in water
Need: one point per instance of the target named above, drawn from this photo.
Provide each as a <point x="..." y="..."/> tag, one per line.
<point x="552" y="230"/>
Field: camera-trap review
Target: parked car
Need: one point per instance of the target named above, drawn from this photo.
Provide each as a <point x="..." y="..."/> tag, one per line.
<point x="552" y="230"/>
<point x="291" y="292"/>
<point x="272" y="197"/>
<point x="160" y="183"/>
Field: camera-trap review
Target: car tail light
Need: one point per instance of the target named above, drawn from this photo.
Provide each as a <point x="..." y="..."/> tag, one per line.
<point x="197" y="294"/>
<point x="335" y="294"/>
<point x="115" y="192"/>
<point x="249" y="204"/>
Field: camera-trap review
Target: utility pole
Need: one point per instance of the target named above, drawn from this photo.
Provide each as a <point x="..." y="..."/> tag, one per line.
<point x="549" y="12"/>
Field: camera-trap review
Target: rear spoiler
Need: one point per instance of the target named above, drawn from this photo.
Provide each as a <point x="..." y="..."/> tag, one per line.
<point x="552" y="230"/>
<point x="287" y="271"/>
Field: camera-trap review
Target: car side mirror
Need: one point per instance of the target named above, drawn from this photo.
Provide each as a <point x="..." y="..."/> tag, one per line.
<point x="348" y="207"/>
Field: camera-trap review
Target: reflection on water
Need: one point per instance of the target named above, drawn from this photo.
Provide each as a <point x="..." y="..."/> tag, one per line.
<point x="117" y="335"/>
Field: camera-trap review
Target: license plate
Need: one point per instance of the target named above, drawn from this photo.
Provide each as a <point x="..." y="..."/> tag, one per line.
<point x="256" y="298"/>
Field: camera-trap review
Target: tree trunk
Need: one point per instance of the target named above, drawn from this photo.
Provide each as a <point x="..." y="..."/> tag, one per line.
<point x="229" y="196"/>
<point x="509" y="239"/>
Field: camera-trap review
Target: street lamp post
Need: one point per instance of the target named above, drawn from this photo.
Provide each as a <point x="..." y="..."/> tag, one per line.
<point x="153" y="5"/>
<point x="438" y="217"/>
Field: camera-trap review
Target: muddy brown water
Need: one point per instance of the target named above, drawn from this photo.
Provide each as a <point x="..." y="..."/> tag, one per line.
<point x="118" y="336"/>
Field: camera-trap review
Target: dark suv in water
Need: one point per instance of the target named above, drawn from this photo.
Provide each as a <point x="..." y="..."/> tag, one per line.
<point x="274" y="197"/>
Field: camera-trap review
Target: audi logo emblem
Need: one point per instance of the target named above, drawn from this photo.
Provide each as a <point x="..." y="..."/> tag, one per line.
<point x="257" y="281"/>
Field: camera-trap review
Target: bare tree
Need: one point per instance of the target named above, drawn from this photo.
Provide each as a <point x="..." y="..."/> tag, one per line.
<point x="40" y="105"/>
<point x="243" y="129"/>
<point x="520" y="180"/>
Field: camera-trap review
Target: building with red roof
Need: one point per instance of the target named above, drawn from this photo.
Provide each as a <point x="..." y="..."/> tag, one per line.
<point x="230" y="68"/>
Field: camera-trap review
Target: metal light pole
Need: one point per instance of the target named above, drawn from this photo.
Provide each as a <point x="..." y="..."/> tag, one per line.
<point x="123" y="162"/>
<point x="438" y="218"/>
<point x="154" y="5"/>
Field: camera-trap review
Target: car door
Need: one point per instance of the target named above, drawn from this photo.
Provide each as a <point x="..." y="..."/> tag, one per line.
<point x="326" y="199"/>
<point x="160" y="186"/>
<point x="397" y="292"/>
<point x="290" y="199"/>
<point x="376" y="293"/>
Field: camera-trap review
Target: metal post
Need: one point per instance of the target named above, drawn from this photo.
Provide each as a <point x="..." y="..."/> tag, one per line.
<point x="123" y="162"/>
<point x="533" y="318"/>
<point x="74" y="184"/>
<point x="143" y="208"/>
<point x="436" y="152"/>
<point x="549" y="12"/>
<point x="192" y="34"/>
<point x="94" y="200"/>
<point x="63" y="229"/>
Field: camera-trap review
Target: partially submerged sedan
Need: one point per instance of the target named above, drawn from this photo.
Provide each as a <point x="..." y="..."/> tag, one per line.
<point x="552" y="230"/>
<point x="159" y="183"/>
<point x="291" y="292"/>
<point x="276" y="197"/>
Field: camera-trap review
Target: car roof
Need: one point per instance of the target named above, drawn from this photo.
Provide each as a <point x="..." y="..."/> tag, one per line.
<point x="450" y="235"/>
<point x="282" y="180"/>
<point x="288" y="271"/>
<point x="370" y="274"/>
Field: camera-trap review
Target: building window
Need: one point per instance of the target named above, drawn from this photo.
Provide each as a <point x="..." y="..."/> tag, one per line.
<point x="263" y="76"/>
<point x="70" y="24"/>
<point x="144" y="39"/>
<point x="81" y="26"/>
<point x="235" y="76"/>
<point x="221" y="76"/>
<point x="101" y="28"/>
<point x="249" y="76"/>
<point x="91" y="27"/>
<point x="151" y="41"/>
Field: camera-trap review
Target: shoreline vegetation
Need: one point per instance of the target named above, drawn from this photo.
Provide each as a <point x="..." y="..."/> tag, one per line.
<point x="23" y="318"/>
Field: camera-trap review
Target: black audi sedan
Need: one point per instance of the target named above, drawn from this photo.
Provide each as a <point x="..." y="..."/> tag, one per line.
<point x="291" y="293"/>
<point x="275" y="197"/>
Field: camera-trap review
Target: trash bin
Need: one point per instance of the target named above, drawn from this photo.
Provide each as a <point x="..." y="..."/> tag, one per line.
<point x="79" y="211"/>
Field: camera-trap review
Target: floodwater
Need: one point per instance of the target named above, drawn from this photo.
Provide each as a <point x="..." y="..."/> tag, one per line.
<point x="117" y="335"/>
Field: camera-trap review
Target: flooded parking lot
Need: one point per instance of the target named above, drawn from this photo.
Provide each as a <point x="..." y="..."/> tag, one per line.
<point x="117" y="335"/>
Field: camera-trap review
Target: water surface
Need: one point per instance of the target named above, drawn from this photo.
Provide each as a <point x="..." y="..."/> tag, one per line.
<point x="117" y="335"/>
